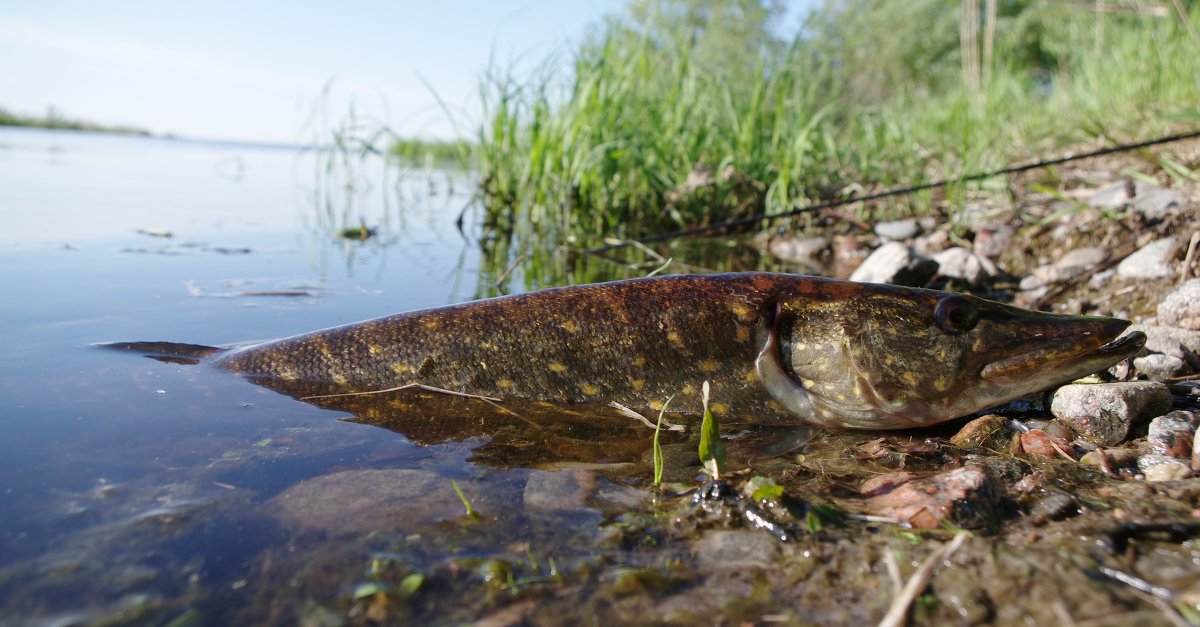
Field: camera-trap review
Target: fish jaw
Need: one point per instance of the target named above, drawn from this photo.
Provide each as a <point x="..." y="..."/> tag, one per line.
<point x="1021" y="352"/>
<point x="1082" y="347"/>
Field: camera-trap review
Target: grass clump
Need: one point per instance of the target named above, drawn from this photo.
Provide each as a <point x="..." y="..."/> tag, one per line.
<point x="689" y="112"/>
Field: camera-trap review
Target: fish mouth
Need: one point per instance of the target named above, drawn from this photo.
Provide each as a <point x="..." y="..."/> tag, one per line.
<point x="1072" y="355"/>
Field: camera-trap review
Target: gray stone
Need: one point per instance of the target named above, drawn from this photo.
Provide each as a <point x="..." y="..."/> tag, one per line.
<point x="1146" y="198"/>
<point x="1070" y="265"/>
<point x="557" y="491"/>
<point x="896" y="263"/>
<point x="1181" y="308"/>
<point x="735" y="549"/>
<point x="802" y="250"/>
<point x="355" y="501"/>
<point x="1156" y="201"/>
<point x="993" y="239"/>
<point x="1152" y="261"/>
<point x="1106" y="412"/>
<point x="1159" y="367"/>
<point x="960" y="263"/>
<point x="1174" y="341"/>
<point x="898" y="229"/>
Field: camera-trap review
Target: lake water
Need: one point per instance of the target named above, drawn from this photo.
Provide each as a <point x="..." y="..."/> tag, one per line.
<point x="135" y="491"/>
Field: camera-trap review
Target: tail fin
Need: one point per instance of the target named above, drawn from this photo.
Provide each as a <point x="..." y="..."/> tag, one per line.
<point x="170" y="352"/>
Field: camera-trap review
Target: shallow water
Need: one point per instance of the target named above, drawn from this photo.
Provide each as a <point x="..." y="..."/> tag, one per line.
<point x="133" y="490"/>
<point x="129" y="485"/>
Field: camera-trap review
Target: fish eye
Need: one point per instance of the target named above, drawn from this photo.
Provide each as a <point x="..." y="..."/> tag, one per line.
<point x="955" y="314"/>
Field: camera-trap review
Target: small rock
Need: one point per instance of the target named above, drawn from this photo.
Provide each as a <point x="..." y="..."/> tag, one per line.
<point x="979" y="431"/>
<point x="1181" y="343"/>
<point x="1038" y="443"/>
<point x="558" y="491"/>
<point x="960" y="263"/>
<point x="1181" y="308"/>
<point x="1105" y="412"/>
<point x="733" y="549"/>
<point x="1152" y="261"/>
<point x="966" y="496"/>
<point x="1102" y="278"/>
<point x="896" y="263"/>
<point x="1144" y="197"/>
<point x="801" y="250"/>
<point x="1160" y="468"/>
<point x="1116" y="458"/>
<point x="1159" y="367"/>
<point x="355" y="501"/>
<point x="1053" y="506"/>
<point x="898" y="229"/>
<point x="993" y="239"/>
<point x="1070" y="265"/>
<point x="1171" y="435"/>
<point x="1175" y="345"/>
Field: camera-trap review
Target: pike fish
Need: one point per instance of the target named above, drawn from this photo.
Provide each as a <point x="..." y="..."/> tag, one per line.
<point x="777" y="349"/>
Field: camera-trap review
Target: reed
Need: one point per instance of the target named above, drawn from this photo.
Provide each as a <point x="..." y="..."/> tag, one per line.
<point x="643" y="133"/>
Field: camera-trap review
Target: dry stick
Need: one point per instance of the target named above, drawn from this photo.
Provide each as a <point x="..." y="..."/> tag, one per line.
<point x="979" y="176"/>
<point x="629" y="413"/>
<point x="509" y="270"/>
<point x="1186" y="270"/>
<point x="897" y="614"/>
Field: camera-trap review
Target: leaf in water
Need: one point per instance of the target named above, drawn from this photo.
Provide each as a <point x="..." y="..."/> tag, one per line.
<point x="411" y="583"/>
<point x="712" y="449"/>
<point x="765" y="489"/>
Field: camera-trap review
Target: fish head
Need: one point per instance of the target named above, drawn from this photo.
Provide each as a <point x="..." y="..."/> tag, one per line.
<point x="887" y="357"/>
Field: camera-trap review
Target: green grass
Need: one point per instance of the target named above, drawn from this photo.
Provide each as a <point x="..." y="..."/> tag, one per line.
<point x="870" y="94"/>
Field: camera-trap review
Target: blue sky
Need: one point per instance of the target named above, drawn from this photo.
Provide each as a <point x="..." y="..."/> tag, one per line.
<point x="246" y="70"/>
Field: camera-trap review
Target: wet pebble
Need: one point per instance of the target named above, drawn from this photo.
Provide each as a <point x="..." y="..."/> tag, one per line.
<point x="1163" y="468"/>
<point x="801" y="250"/>
<point x="1171" y="435"/>
<point x="1038" y="443"/>
<point x="1114" y="458"/>
<point x="1181" y="343"/>
<point x="1104" y="413"/>
<point x="1181" y="308"/>
<point x="966" y="496"/>
<point x="960" y="263"/>
<point x="722" y="549"/>
<point x="1053" y="506"/>
<point x="1152" y="261"/>
<point x="558" y="491"/>
<point x="979" y="431"/>
<point x="576" y="490"/>
<point x="898" y="229"/>
<point x="896" y="263"/>
<point x="354" y="501"/>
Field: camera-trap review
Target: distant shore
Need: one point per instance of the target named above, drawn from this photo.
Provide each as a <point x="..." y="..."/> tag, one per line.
<point x="54" y="120"/>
